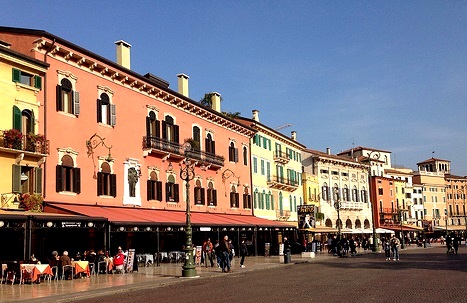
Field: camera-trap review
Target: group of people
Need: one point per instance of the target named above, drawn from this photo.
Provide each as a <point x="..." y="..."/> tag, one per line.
<point x="342" y="246"/>
<point x="223" y="252"/>
<point x="391" y="246"/>
<point x="452" y="243"/>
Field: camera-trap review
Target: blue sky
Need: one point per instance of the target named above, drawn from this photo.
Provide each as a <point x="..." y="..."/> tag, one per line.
<point x="390" y="75"/>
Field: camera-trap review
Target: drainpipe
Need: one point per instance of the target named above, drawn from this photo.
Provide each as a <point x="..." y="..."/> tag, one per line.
<point x="44" y="189"/>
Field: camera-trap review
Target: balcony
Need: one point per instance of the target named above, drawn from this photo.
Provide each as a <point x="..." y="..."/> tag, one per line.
<point x="280" y="157"/>
<point x="282" y="183"/>
<point x="30" y="144"/>
<point x="353" y="205"/>
<point x="166" y="149"/>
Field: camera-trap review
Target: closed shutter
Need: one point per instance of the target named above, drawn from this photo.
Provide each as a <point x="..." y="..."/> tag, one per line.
<point x="176" y="134"/>
<point x="236" y="155"/>
<point x="158" y="129"/>
<point x="76" y="104"/>
<point x="32" y="125"/>
<point x="99" y="184"/>
<point x="58" y="178"/>
<point x="164" y="130"/>
<point x="16" y="178"/>
<point x="237" y="199"/>
<point x="38" y="180"/>
<point x="77" y="180"/>
<point x="203" y="196"/>
<point x="148" y="129"/>
<point x="99" y="110"/>
<point x="113" y="115"/>
<point x="16" y="75"/>
<point x="214" y="196"/>
<point x="176" y="194"/>
<point x="213" y="148"/>
<point x="167" y="192"/>
<point x="58" y="99"/>
<point x="159" y="190"/>
<point x="232" y="197"/>
<point x="37" y="82"/>
<point x="17" y="118"/>
<point x="149" y="190"/>
<point x="113" y="185"/>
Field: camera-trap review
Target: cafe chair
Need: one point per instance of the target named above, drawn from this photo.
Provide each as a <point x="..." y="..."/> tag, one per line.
<point x="14" y="273"/>
<point x="101" y="266"/>
<point x="67" y="268"/>
<point x="92" y="268"/>
<point x="54" y="272"/>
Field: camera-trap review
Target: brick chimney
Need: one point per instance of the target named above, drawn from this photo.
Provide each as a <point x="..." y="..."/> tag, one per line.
<point x="255" y="115"/>
<point x="183" y="84"/>
<point x="216" y="101"/>
<point x="123" y="53"/>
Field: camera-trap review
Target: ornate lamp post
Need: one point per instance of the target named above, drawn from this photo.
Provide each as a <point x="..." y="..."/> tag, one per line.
<point x="337" y="206"/>
<point x="402" y="231"/>
<point x="373" y="155"/>
<point x="187" y="173"/>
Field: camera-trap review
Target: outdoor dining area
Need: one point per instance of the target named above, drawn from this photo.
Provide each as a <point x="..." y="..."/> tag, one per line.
<point x="160" y="257"/>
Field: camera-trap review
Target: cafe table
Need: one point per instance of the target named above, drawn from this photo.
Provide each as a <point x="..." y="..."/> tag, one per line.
<point x="81" y="267"/>
<point x="36" y="270"/>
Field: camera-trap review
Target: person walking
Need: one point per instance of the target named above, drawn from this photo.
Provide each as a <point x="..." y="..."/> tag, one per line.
<point x="387" y="249"/>
<point x="455" y="243"/>
<point x="208" y="252"/>
<point x="243" y="253"/>
<point x="395" y="243"/>
<point x="224" y="249"/>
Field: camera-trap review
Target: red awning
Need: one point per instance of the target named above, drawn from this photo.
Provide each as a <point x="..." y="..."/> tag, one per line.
<point x="132" y="215"/>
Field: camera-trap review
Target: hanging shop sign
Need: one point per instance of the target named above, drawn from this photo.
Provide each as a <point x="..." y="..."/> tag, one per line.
<point x="306" y="216"/>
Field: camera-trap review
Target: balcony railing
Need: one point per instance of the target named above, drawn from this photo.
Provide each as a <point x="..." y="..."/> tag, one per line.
<point x="281" y="157"/>
<point x="353" y="205"/>
<point x="30" y="143"/>
<point x="282" y="183"/>
<point x="166" y="147"/>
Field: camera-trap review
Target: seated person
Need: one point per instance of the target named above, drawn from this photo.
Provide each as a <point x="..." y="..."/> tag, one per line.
<point x="100" y="258"/>
<point x="53" y="261"/>
<point x="118" y="261"/>
<point x="65" y="260"/>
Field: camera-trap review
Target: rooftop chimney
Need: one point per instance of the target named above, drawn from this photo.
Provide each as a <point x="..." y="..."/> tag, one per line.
<point x="216" y="101"/>
<point x="294" y="135"/>
<point x="123" y="53"/>
<point x="328" y="150"/>
<point x="183" y="84"/>
<point x="255" y="115"/>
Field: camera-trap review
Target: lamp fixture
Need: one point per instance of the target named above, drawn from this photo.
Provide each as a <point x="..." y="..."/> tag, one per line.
<point x="2" y="224"/>
<point x="24" y="177"/>
<point x="90" y="224"/>
<point x="94" y="142"/>
<point x="170" y="167"/>
<point x="50" y="224"/>
<point x="121" y="228"/>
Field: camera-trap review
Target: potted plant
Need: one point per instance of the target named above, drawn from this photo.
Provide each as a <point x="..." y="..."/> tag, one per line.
<point x="12" y="138"/>
<point x="31" y="202"/>
<point x="34" y="142"/>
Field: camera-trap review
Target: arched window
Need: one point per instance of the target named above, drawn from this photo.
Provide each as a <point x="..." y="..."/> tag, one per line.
<point x="366" y="224"/>
<point x="256" y="199"/>
<point x="154" y="187"/>
<point x="346" y="193"/>
<point x="245" y="155"/>
<point x="199" y="193"/>
<point x="325" y="191"/>
<point x="348" y="223"/>
<point x="246" y="198"/>
<point x="67" y="176"/>
<point x="67" y="99"/>
<point x="210" y="144"/>
<point x="196" y="139"/>
<point x="106" y="110"/>
<point x="170" y="131"/>
<point x="328" y="223"/>
<point x="212" y="195"/>
<point x="152" y="126"/>
<point x="233" y="152"/>
<point x="355" y="194"/>
<point x="171" y="190"/>
<point x="234" y="197"/>
<point x="358" y="223"/>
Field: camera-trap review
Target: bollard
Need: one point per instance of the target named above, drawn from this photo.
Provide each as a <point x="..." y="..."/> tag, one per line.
<point x="287" y="256"/>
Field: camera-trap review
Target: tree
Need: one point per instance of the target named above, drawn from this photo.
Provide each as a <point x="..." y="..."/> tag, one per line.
<point x="232" y="115"/>
<point x="207" y="100"/>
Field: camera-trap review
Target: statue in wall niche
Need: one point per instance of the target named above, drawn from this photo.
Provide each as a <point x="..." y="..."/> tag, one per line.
<point x="132" y="180"/>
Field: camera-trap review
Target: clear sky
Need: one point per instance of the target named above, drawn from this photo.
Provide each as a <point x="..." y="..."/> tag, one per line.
<point x="390" y="75"/>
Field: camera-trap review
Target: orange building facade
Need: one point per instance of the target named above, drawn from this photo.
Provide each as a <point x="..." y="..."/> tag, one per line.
<point x="118" y="148"/>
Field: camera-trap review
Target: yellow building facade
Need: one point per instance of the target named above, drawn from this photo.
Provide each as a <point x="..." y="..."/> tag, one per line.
<point x="22" y="147"/>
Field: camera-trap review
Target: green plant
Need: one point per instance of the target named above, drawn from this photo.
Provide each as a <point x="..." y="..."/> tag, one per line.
<point x="32" y="202"/>
<point x="194" y="144"/>
<point x="34" y="141"/>
<point x="12" y="138"/>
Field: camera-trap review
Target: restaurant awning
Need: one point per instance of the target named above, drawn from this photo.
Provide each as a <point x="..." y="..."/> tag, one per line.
<point x="145" y="216"/>
<point x="403" y="228"/>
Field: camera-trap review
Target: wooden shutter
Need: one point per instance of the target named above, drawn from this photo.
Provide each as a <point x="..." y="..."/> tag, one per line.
<point x="38" y="180"/>
<point x="16" y="178"/>
<point x="99" y="110"/>
<point x="76" y="104"/>
<point x="17" y="118"/>
<point x="113" y="115"/>
<point x="113" y="185"/>
<point x="214" y="196"/>
<point x="148" y="128"/>
<point x="236" y="155"/>
<point x="37" y="82"/>
<point x="58" y="178"/>
<point x="149" y="190"/>
<point x="213" y="148"/>
<point x="158" y="129"/>
<point x="32" y="125"/>
<point x="176" y="132"/>
<point x="77" y="180"/>
<point x="159" y="190"/>
<point x="164" y="130"/>
<point x="16" y="75"/>
<point x="203" y="196"/>
<point x="59" y="102"/>
<point x="237" y="199"/>
<point x="99" y="184"/>
<point x="176" y="193"/>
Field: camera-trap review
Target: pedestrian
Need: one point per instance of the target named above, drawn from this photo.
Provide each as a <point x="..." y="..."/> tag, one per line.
<point x="387" y="249"/>
<point x="395" y="242"/>
<point x="231" y="251"/>
<point x="243" y="253"/>
<point x="208" y="252"/>
<point x="224" y="248"/>
<point x="352" y="246"/>
<point x="455" y="243"/>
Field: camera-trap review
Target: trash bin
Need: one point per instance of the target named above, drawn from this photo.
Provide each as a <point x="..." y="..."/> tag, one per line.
<point x="287" y="256"/>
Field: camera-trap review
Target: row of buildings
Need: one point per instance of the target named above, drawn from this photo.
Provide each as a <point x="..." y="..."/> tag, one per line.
<point x="94" y="155"/>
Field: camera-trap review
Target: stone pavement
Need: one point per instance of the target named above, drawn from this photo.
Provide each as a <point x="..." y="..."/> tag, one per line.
<point x="146" y="277"/>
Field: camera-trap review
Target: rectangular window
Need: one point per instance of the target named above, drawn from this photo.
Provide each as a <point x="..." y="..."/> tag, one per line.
<point x="154" y="190"/>
<point x="263" y="168"/>
<point x="68" y="179"/>
<point x="255" y="165"/>
<point x="212" y="197"/>
<point x="22" y="77"/>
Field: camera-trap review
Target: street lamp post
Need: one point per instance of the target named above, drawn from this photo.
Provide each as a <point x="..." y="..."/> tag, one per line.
<point x="187" y="173"/>
<point x="461" y="191"/>
<point x="375" y="156"/>
<point x="402" y="231"/>
<point x="337" y="206"/>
